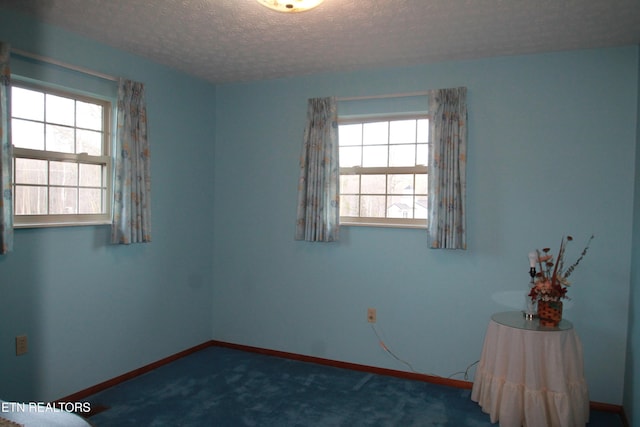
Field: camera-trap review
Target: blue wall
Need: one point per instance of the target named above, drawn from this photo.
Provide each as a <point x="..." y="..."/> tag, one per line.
<point x="632" y="375"/>
<point x="551" y="151"/>
<point x="92" y="310"/>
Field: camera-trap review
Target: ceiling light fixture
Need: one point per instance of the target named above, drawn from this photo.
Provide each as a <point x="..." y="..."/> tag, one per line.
<point x="290" y="6"/>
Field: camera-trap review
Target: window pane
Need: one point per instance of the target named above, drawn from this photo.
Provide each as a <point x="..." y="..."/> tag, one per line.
<point x="374" y="156"/>
<point x="349" y="184"/>
<point x="387" y="146"/>
<point x="89" y="142"/>
<point x="63" y="200"/>
<point x="60" y="139"/>
<point x="30" y="200"/>
<point x="400" y="207"/>
<point x="373" y="184"/>
<point x="400" y="184"/>
<point x="423" y="154"/>
<point x="350" y="156"/>
<point x="90" y="175"/>
<point x="29" y="171"/>
<point x="373" y="206"/>
<point x="350" y="134"/>
<point x="349" y="205"/>
<point x="27" y="104"/>
<point x="25" y="134"/>
<point x="63" y="173"/>
<point x="90" y="201"/>
<point x="60" y="110"/>
<point x="423" y="130"/>
<point x="402" y="155"/>
<point x="375" y="133"/>
<point x="88" y="115"/>
<point x="421" y="207"/>
<point x="422" y="182"/>
<point x="402" y="132"/>
<point x="52" y="122"/>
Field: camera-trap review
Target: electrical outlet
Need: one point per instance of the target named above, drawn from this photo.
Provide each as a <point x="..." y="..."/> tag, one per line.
<point x="21" y="345"/>
<point x="371" y="315"/>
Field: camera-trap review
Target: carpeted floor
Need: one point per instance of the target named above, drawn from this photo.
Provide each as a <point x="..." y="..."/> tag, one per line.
<point x="224" y="387"/>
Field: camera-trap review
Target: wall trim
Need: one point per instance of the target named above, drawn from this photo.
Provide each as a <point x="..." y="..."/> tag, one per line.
<point x="347" y="365"/>
<point x="82" y="394"/>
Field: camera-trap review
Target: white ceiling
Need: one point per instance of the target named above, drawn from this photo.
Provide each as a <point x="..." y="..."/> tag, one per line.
<point x="240" y="40"/>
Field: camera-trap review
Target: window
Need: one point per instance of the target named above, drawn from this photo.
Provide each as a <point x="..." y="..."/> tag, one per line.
<point x="62" y="159"/>
<point x="383" y="171"/>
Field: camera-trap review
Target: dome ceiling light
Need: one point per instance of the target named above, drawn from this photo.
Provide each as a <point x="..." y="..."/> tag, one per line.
<point x="290" y="6"/>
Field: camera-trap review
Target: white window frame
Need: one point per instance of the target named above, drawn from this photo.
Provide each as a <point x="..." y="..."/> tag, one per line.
<point x="106" y="160"/>
<point x="420" y="223"/>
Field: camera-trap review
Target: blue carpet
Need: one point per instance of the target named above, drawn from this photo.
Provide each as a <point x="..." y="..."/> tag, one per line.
<point x="224" y="387"/>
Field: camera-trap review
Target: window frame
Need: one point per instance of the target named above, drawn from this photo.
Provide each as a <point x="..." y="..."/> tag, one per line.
<point x="415" y="223"/>
<point x="105" y="159"/>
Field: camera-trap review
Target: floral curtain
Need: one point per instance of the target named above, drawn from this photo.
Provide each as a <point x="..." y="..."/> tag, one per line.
<point x="132" y="186"/>
<point x="6" y="201"/>
<point x="447" y="168"/>
<point x="319" y="183"/>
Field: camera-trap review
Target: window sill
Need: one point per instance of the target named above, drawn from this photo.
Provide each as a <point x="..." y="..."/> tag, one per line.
<point x="53" y="224"/>
<point x="382" y="225"/>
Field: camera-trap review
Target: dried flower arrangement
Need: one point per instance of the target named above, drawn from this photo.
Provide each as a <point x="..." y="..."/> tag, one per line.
<point x="551" y="279"/>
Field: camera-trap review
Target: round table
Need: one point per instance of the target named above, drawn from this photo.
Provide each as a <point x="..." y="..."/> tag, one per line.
<point x="531" y="375"/>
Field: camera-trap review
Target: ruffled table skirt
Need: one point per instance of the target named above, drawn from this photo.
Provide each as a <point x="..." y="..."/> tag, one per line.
<point x="532" y="378"/>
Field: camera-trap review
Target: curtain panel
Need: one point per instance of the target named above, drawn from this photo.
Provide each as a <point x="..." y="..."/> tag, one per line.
<point x="447" y="169"/>
<point x="132" y="184"/>
<point x="6" y="200"/>
<point x="318" y="216"/>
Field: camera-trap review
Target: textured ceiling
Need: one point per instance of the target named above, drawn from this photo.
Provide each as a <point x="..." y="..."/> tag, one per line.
<point x="240" y="40"/>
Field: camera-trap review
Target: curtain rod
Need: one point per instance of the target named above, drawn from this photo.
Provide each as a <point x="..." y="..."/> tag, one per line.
<point x="64" y="65"/>
<point x="390" y="95"/>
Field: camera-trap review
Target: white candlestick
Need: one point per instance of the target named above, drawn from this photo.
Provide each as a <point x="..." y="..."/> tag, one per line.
<point x="533" y="258"/>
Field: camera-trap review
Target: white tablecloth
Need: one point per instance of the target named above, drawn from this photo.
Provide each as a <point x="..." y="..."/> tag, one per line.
<point x="531" y="376"/>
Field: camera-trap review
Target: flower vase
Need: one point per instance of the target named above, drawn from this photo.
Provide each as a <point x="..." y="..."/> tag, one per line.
<point x="550" y="313"/>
